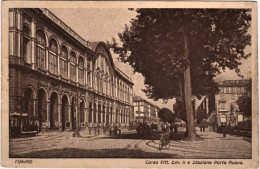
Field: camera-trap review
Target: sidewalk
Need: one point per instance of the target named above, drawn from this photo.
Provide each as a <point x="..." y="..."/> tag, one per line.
<point x="212" y="145"/>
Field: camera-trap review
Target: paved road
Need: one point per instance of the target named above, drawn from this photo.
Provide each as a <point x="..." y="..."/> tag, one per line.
<point x="62" y="144"/>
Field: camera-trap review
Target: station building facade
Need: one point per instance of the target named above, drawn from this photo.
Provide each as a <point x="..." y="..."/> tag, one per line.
<point x="62" y="80"/>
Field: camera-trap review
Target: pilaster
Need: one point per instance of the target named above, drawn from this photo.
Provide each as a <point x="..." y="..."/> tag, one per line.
<point x="33" y="35"/>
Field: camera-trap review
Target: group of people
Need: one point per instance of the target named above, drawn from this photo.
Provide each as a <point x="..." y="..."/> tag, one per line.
<point x="143" y="128"/>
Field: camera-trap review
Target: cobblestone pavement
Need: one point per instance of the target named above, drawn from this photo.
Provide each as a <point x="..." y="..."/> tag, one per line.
<point x="62" y="144"/>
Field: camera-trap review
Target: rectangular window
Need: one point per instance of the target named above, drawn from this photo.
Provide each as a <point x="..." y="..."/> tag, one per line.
<point x="142" y="108"/>
<point x="135" y="109"/>
<point x="88" y="76"/>
<point x="242" y="90"/>
<point x="238" y="90"/>
<point x="226" y="90"/>
<point x="221" y="90"/>
<point x="222" y="106"/>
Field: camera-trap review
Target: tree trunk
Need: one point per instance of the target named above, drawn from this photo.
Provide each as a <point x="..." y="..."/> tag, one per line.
<point x="190" y="127"/>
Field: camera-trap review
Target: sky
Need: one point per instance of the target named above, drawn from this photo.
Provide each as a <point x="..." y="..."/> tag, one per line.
<point x="104" y="24"/>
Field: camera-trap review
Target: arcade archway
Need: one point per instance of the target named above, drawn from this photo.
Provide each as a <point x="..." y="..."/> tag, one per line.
<point x="54" y="110"/>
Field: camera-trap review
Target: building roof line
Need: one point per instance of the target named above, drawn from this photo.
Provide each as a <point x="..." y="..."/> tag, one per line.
<point x="141" y="99"/>
<point x="65" y="27"/>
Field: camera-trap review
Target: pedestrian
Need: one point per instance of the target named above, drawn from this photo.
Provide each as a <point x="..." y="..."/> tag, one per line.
<point x="175" y="129"/>
<point x="223" y="128"/>
<point x="171" y="127"/>
<point x="67" y="123"/>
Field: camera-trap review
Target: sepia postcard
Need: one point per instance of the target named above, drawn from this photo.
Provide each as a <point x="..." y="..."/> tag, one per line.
<point x="129" y="84"/>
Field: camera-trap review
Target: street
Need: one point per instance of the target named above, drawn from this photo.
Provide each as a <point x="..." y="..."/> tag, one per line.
<point x="129" y="145"/>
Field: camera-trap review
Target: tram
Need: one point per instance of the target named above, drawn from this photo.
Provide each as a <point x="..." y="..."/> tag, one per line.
<point x="20" y="125"/>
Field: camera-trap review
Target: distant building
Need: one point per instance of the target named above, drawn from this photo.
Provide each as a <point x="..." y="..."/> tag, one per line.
<point x="226" y="106"/>
<point x="145" y="111"/>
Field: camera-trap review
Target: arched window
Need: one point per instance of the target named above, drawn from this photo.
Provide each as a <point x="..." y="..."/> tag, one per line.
<point x="95" y="112"/>
<point x="26" y="45"/>
<point x="104" y="114"/>
<point x="107" y="115"/>
<point x="81" y="70"/>
<point x="53" y="58"/>
<point x="118" y="89"/>
<point x="99" y="113"/>
<point x="73" y="62"/>
<point x="82" y="111"/>
<point x="97" y="82"/>
<point x="116" y="115"/>
<point x="88" y="73"/>
<point x="64" y="62"/>
<point x="41" y="44"/>
<point x="128" y="95"/>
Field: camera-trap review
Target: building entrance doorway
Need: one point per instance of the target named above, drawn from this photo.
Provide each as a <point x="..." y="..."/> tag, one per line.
<point x="64" y="113"/>
<point x="82" y="113"/>
<point x="42" y="107"/>
<point x="54" y="110"/>
<point x="28" y="102"/>
<point x="73" y="114"/>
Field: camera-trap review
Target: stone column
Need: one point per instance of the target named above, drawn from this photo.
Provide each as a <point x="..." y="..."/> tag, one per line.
<point x="92" y="113"/>
<point x="33" y="31"/>
<point x="101" y="113"/>
<point x="68" y="69"/>
<point x="60" y="116"/>
<point x="58" y="66"/>
<point x="85" y="77"/>
<point x="47" y="59"/>
<point x="86" y="110"/>
<point x="35" y="105"/>
<point x="48" y="112"/>
<point x="91" y="79"/>
<point x="19" y="33"/>
<point x="77" y="72"/>
<point x="69" y="113"/>
<point x="96" y="113"/>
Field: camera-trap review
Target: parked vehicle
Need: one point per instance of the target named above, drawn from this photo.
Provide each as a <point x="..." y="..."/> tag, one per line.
<point x="22" y="125"/>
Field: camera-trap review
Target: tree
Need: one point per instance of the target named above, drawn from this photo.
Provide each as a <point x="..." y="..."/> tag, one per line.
<point x="180" y="51"/>
<point x="166" y="115"/>
<point x="178" y="109"/>
<point x="245" y="105"/>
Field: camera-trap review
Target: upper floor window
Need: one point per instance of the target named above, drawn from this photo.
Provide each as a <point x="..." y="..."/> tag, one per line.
<point x="53" y="46"/>
<point x="64" y="62"/>
<point x="40" y="36"/>
<point x="40" y="50"/>
<point x="242" y="90"/>
<point x="26" y="45"/>
<point x="238" y="90"/>
<point x="73" y="60"/>
<point x="221" y="90"/>
<point x="81" y="70"/>
<point x="88" y="74"/>
<point x="53" y="59"/>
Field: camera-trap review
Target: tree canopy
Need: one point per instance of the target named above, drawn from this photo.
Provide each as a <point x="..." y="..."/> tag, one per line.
<point x="166" y="115"/>
<point x="245" y="105"/>
<point x="153" y="45"/>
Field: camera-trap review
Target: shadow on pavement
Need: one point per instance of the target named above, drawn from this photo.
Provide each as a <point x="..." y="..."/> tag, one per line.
<point x="94" y="153"/>
<point x="152" y="136"/>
